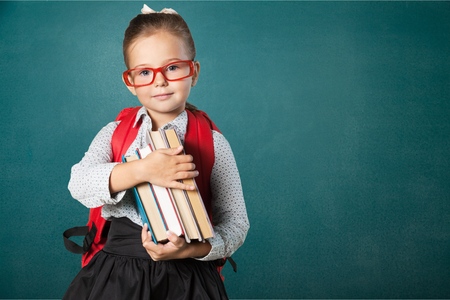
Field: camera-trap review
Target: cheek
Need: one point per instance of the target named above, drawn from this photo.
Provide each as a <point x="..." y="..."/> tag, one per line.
<point x="187" y="90"/>
<point x="185" y="87"/>
<point x="142" y="92"/>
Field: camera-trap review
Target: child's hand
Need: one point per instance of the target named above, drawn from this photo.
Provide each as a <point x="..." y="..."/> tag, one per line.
<point x="173" y="249"/>
<point x="164" y="167"/>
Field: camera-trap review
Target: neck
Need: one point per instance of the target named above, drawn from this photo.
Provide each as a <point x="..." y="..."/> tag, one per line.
<point x="161" y="119"/>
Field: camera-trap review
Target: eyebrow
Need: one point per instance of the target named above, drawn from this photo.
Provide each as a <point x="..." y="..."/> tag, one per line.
<point x="167" y="61"/>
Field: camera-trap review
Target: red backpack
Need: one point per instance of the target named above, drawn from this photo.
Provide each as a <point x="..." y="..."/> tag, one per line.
<point x="198" y="142"/>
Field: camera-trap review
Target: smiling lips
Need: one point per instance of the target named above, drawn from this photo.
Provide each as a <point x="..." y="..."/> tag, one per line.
<point x="163" y="96"/>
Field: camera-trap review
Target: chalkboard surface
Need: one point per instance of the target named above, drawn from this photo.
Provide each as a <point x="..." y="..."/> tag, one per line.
<point x="337" y="112"/>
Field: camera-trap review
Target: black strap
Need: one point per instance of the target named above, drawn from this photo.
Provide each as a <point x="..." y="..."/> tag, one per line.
<point x="89" y="236"/>
<point x="221" y="262"/>
<point x="233" y="264"/>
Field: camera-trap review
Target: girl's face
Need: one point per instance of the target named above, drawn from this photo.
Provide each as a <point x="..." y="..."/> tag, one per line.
<point x="164" y="100"/>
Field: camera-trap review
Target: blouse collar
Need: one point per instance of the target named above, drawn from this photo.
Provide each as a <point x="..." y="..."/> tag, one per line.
<point x="179" y="123"/>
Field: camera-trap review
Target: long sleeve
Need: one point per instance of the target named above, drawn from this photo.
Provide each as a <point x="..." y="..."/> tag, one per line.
<point x="89" y="180"/>
<point x="230" y="218"/>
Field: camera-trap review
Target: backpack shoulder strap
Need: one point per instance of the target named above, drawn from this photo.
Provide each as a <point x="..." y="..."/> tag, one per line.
<point x="199" y="132"/>
<point x="125" y="132"/>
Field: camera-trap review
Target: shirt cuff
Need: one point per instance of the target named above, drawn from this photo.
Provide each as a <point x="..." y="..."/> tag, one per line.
<point x="217" y="248"/>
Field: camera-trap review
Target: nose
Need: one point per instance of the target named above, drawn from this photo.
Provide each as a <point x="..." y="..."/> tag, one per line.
<point x="159" y="80"/>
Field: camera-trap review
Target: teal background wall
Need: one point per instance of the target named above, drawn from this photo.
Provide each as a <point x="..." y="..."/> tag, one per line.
<point x="338" y="114"/>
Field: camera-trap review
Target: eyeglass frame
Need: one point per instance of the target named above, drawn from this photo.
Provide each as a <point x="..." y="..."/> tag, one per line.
<point x="158" y="70"/>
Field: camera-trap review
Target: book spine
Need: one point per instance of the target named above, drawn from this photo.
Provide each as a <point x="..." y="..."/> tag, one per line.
<point x="158" y="203"/>
<point x="143" y="214"/>
<point x="141" y="210"/>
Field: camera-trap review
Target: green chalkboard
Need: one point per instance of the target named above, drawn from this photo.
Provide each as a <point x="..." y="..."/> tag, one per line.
<point x="338" y="114"/>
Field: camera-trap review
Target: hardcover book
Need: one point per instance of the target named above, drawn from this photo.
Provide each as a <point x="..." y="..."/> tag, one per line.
<point x="179" y="211"/>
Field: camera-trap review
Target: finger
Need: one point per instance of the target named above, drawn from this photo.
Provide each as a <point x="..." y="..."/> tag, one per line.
<point x="184" y="158"/>
<point x="191" y="166"/>
<point x="185" y="167"/>
<point x="187" y="174"/>
<point x="144" y="233"/>
<point x="174" y="239"/>
<point x="181" y="186"/>
<point x="173" y="151"/>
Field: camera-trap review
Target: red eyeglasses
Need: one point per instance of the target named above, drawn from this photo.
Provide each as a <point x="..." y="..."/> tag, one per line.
<point x="173" y="71"/>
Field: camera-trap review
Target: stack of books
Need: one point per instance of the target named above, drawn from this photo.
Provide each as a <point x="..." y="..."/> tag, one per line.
<point x="163" y="209"/>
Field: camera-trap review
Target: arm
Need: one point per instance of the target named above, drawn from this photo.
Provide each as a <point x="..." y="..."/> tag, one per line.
<point x="230" y="218"/>
<point x="89" y="179"/>
<point x="162" y="167"/>
<point x="96" y="181"/>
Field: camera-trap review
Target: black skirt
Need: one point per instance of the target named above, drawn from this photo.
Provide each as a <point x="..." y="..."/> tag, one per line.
<point x="123" y="270"/>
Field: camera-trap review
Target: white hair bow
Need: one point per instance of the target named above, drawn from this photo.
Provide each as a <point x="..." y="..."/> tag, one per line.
<point x="147" y="10"/>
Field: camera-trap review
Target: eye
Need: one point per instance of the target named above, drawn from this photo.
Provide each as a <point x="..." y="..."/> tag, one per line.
<point x="172" y="68"/>
<point x="145" y="72"/>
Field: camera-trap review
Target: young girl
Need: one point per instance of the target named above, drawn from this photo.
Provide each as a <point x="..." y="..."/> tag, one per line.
<point x="159" y="53"/>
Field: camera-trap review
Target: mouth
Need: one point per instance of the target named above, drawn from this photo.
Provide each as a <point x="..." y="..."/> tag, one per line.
<point x="163" y="96"/>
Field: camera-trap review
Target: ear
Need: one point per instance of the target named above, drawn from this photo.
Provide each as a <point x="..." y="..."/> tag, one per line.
<point x="196" y="73"/>
<point x="130" y="88"/>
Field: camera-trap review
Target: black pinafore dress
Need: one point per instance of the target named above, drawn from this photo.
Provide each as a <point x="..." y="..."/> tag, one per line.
<point x="123" y="270"/>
